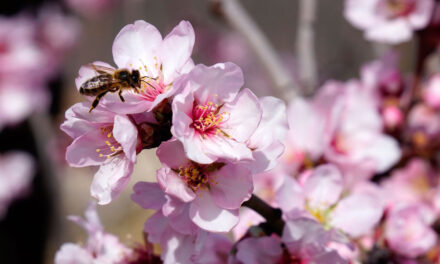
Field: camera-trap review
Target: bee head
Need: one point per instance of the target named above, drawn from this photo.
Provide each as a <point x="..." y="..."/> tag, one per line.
<point x="135" y="76"/>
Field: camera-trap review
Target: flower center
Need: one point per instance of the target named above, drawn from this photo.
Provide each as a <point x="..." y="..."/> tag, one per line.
<point x="151" y="88"/>
<point x="396" y="8"/>
<point x="207" y="118"/>
<point x="111" y="147"/>
<point x="199" y="176"/>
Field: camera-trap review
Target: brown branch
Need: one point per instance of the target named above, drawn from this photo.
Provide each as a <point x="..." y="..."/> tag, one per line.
<point x="272" y="215"/>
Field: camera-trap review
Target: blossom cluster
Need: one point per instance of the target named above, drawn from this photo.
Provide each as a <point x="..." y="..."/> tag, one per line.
<point x="32" y="47"/>
<point x="349" y="175"/>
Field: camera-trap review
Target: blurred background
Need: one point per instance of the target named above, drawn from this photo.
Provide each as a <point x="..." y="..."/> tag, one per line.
<point x="43" y="43"/>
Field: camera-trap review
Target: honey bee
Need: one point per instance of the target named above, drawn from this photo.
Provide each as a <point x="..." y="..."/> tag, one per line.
<point x="110" y="80"/>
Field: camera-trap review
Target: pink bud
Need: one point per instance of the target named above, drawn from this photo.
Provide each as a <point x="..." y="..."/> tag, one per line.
<point x="392" y="116"/>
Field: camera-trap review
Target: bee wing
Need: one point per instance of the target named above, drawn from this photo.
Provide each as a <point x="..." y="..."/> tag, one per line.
<point x="101" y="69"/>
<point x="97" y="82"/>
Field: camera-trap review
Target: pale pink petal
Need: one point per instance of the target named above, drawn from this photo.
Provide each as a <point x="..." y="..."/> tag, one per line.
<point x="324" y="187"/>
<point x="361" y="13"/>
<point x="420" y="17"/>
<point x="273" y="122"/>
<point x="79" y="121"/>
<point x="231" y="186"/>
<point x="207" y="215"/>
<point x="172" y="184"/>
<point x="156" y="226"/>
<point x="307" y="128"/>
<point x="219" y="146"/>
<point x="172" y="154"/>
<point x="111" y="179"/>
<point x="357" y="214"/>
<point x="178" y="214"/>
<point x="290" y="195"/>
<point x="228" y="80"/>
<point x="73" y="254"/>
<point x="256" y="250"/>
<point x="136" y="45"/>
<point x="245" y="115"/>
<point x="82" y="151"/>
<point x="176" y="50"/>
<point x="126" y="133"/>
<point x="148" y="195"/>
<point x="390" y="32"/>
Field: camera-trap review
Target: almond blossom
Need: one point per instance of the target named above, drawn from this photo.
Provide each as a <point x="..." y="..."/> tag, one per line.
<point x="214" y="191"/>
<point x="140" y="46"/>
<point x="306" y="241"/>
<point x="101" y="247"/>
<point x="106" y="139"/>
<point x="318" y="194"/>
<point x="389" y="21"/>
<point x="358" y="145"/>
<point x="408" y="230"/>
<point x="212" y="118"/>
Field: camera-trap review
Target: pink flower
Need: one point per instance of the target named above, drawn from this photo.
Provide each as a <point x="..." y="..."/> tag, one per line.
<point x="408" y="230"/>
<point x="358" y="145"/>
<point x="414" y="183"/>
<point x="16" y="175"/>
<point x="389" y="21"/>
<point x="181" y="241"/>
<point x="431" y="94"/>
<point x="214" y="191"/>
<point x="101" y="247"/>
<point x="319" y="196"/>
<point x="211" y="118"/>
<point x="140" y="46"/>
<point x="424" y="125"/>
<point x="102" y="138"/>
<point x="306" y="241"/>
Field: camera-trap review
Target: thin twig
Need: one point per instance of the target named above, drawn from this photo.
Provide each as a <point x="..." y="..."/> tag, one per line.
<point x="240" y="20"/>
<point x="272" y="215"/>
<point x="305" y="45"/>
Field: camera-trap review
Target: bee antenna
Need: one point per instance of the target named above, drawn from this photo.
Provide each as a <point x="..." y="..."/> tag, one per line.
<point x="149" y="84"/>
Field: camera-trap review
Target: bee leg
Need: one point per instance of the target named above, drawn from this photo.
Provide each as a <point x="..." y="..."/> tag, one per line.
<point x="96" y="101"/>
<point x="120" y="96"/>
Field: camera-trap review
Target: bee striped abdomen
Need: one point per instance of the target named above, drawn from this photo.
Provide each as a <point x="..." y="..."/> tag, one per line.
<point x="96" y="84"/>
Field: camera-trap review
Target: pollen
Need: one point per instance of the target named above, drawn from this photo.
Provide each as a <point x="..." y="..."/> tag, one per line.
<point x="208" y="118"/>
<point x="110" y="147"/>
<point x="198" y="176"/>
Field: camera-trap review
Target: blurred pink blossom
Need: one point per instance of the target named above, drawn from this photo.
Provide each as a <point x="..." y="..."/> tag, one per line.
<point x="17" y="171"/>
<point x="319" y="196"/>
<point x="102" y="138"/>
<point x="101" y="247"/>
<point x="408" y="230"/>
<point x="389" y="21"/>
<point x="431" y="93"/>
<point x="358" y="145"/>
<point x="306" y="241"/>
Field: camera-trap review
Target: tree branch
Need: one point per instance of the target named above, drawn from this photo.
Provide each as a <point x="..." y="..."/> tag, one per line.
<point x="272" y="215"/>
<point x="240" y="20"/>
<point x="305" y="46"/>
